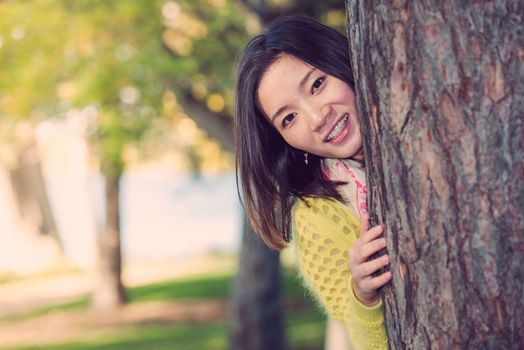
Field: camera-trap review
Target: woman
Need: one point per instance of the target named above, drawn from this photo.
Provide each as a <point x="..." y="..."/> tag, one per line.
<point x="299" y="159"/>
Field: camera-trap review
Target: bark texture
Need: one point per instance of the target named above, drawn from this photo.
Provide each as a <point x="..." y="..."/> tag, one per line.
<point x="440" y="90"/>
<point x="110" y="291"/>
<point x="256" y="312"/>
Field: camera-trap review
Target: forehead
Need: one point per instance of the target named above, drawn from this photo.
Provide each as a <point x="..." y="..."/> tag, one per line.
<point x="280" y="82"/>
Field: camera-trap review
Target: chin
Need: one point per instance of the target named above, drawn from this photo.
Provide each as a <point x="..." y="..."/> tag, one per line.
<point x="352" y="151"/>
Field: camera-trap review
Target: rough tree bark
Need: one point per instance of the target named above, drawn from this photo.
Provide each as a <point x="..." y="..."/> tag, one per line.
<point x="256" y="312"/>
<point x="440" y="90"/>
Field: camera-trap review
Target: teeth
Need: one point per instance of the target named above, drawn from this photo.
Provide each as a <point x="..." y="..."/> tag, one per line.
<point x="338" y="128"/>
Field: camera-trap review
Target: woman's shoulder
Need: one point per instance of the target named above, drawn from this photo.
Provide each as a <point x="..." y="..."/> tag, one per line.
<point x="323" y="217"/>
<point x="325" y="208"/>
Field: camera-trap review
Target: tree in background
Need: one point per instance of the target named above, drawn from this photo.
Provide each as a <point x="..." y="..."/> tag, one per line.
<point x="440" y="86"/>
<point x="68" y="57"/>
<point x="114" y="63"/>
<point x="256" y="308"/>
<point x="24" y="94"/>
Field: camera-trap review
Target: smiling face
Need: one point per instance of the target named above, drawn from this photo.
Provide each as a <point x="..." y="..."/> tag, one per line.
<point x="313" y="111"/>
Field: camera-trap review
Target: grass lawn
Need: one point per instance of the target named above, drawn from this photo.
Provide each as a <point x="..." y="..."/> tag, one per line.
<point x="304" y="324"/>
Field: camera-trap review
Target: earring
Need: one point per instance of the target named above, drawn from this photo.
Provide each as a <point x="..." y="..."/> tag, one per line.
<point x="305" y="158"/>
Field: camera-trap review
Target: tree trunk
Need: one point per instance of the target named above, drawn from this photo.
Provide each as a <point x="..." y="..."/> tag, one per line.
<point x="31" y="193"/>
<point x="110" y="291"/>
<point x="440" y="90"/>
<point x="256" y="313"/>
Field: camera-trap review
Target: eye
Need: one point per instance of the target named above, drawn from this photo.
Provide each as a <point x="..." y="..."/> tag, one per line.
<point x="288" y="119"/>
<point x="316" y="85"/>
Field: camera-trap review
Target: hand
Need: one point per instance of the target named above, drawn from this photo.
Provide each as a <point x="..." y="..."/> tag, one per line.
<point x="364" y="284"/>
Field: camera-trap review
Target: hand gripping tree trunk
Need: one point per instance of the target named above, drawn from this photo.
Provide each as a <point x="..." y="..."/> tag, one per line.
<point x="440" y="89"/>
<point x="256" y="313"/>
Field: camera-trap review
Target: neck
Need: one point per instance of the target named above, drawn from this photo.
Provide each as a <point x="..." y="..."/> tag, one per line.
<point x="358" y="156"/>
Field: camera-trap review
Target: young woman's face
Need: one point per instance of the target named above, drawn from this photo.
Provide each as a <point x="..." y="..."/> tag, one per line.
<point x="313" y="111"/>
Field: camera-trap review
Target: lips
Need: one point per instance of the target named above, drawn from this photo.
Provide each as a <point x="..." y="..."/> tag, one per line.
<point x="339" y="131"/>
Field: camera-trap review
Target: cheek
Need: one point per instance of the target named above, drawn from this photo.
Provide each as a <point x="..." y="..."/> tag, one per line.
<point x="296" y="139"/>
<point x="350" y="98"/>
<point x="293" y="141"/>
<point x="339" y="94"/>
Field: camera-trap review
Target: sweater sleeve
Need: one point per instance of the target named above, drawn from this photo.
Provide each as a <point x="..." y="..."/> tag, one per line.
<point x="323" y="232"/>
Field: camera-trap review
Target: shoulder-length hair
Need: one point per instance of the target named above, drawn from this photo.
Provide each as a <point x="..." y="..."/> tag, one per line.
<point x="270" y="173"/>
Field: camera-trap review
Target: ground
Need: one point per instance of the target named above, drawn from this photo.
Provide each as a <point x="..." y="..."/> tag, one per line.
<point x="28" y="294"/>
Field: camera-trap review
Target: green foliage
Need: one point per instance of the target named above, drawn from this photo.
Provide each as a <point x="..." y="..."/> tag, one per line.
<point x="118" y="60"/>
<point x="65" y="54"/>
<point x="29" y="77"/>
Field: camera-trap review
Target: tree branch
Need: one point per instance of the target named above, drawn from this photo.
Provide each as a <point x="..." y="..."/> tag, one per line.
<point x="218" y="126"/>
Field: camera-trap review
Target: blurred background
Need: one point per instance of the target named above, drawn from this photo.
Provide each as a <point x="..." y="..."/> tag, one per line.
<point x="120" y="224"/>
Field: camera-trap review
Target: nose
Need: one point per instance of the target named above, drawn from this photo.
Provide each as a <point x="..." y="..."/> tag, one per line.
<point x="319" y="116"/>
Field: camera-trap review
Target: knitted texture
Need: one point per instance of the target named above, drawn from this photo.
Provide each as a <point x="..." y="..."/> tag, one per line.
<point x="323" y="232"/>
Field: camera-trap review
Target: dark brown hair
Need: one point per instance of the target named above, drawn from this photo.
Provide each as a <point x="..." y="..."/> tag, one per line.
<point x="271" y="174"/>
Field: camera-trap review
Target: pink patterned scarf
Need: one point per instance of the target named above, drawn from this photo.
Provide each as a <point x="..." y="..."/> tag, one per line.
<point x="354" y="175"/>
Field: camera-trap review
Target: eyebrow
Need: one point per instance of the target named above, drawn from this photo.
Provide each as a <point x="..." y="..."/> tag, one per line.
<point x="301" y="87"/>
<point x="306" y="77"/>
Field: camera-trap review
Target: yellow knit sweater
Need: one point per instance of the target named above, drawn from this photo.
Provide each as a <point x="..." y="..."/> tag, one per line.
<point x="323" y="232"/>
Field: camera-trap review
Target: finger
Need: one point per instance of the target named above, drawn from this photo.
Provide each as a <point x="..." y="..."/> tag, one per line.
<point x="371" y="248"/>
<point x="353" y="259"/>
<point x="374" y="283"/>
<point x="372" y="233"/>
<point x="364" y="225"/>
<point x="365" y="270"/>
<point x="370" y="267"/>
